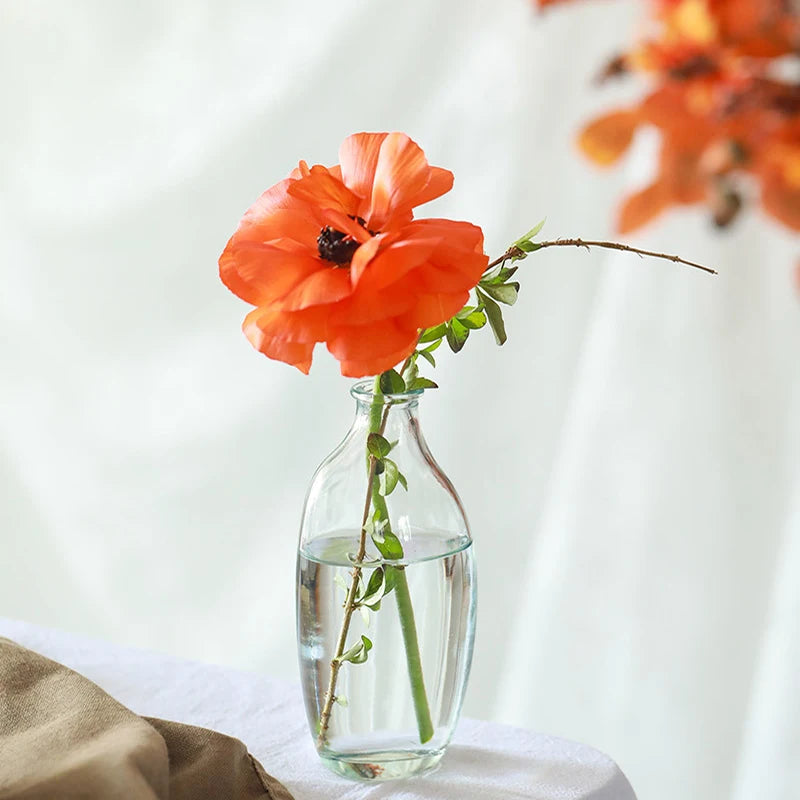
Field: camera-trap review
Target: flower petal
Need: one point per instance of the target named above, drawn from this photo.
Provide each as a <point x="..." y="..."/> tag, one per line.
<point x="363" y="256"/>
<point x="605" y="139"/>
<point x="326" y="285"/>
<point x="363" y="369"/>
<point x="363" y="308"/>
<point x="394" y="261"/>
<point x="358" y="157"/>
<point x="433" y="309"/>
<point x="275" y="214"/>
<point x="341" y="222"/>
<point x="402" y="172"/>
<point x="298" y="354"/>
<point x="307" y="325"/>
<point x="321" y="190"/>
<point x="262" y="273"/>
<point x="375" y="346"/>
<point x="440" y="182"/>
<point x="642" y="207"/>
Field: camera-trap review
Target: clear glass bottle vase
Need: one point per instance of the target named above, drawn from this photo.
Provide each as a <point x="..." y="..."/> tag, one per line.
<point x="386" y="597"/>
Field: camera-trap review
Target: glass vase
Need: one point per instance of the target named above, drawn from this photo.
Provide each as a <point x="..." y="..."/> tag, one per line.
<point x="386" y="597"/>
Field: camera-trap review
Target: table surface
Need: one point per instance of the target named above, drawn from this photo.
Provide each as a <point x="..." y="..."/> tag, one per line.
<point x="485" y="760"/>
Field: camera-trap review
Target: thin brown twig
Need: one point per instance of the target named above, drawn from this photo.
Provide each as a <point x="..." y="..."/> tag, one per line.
<point x="350" y="602"/>
<point x="516" y="252"/>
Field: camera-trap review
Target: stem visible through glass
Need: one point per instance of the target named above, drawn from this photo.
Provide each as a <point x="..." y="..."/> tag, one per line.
<point x="405" y="610"/>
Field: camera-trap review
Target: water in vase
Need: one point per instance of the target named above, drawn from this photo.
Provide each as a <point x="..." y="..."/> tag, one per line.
<point x="373" y="731"/>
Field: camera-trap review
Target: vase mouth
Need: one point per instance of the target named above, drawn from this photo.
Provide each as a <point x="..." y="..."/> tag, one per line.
<point x="364" y="391"/>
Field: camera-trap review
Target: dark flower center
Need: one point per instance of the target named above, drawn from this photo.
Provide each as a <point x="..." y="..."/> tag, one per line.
<point x="337" y="247"/>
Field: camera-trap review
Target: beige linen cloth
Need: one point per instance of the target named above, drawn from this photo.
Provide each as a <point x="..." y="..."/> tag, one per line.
<point x="64" y="738"/>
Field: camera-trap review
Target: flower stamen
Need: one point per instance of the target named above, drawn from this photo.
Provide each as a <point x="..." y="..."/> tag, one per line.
<point x="335" y="246"/>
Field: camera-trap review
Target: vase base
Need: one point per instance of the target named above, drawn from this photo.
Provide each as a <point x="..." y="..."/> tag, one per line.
<point x="382" y="766"/>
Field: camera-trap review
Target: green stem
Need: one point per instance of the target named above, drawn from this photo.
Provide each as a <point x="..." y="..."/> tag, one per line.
<point x="405" y="610"/>
<point x="407" y="624"/>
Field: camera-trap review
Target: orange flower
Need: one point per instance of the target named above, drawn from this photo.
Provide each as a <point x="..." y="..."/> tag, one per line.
<point x="334" y="255"/>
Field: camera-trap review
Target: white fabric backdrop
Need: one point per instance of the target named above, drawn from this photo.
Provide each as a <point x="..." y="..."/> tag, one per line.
<point x="635" y="493"/>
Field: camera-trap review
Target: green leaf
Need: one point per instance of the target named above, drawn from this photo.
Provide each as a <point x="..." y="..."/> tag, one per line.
<point x="506" y="273"/>
<point x="495" y="316"/>
<point x="376" y="588"/>
<point x="530" y="234"/>
<point x="411" y="372"/>
<point x="465" y="312"/>
<point x="457" y="335"/>
<point x="341" y="700"/>
<point x="357" y="654"/>
<point x="430" y="348"/>
<point x="388" y="477"/>
<point x="431" y="334"/>
<point x="477" y="319"/>
<point x="378" y="446"/>
<point x="390" y="576"/>
<point x="423" y="383"/>
<point x="529" y="247"/>
<point x="428" y="357"/>
<point x="498" y="276"/>
<point x="402" y="480"/>
<point x="504" y="293"/>
<point x="388" y="544"/>
<point x="392" y="382"/>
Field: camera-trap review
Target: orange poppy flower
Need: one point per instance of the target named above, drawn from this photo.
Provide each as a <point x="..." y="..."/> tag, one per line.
<point x="334" y="255"/>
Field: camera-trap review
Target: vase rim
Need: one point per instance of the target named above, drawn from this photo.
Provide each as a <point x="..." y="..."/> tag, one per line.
<point x="364" y="391"/>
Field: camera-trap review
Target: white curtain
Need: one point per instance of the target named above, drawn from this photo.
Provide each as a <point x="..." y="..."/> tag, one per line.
<point x="629" y="460"/>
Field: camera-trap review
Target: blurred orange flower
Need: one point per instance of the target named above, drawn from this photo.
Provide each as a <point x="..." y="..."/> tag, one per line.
<point x="728" y="121"/>
<point x="334" y="255"/>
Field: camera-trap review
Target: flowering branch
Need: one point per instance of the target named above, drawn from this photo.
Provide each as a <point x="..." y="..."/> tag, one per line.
<point x="515" y="252"/>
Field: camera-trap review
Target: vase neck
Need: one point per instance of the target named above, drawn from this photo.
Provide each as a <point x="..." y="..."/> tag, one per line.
<point x="381" y="412"/>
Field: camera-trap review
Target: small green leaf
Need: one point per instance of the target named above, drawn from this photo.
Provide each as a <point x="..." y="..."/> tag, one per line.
<point x="503" y="293"/>
<point x="376" y="588"/>
<point x="388" y="477"/>
<point x="380" y="466"/>
<point x="457" y="335"/>
<point x="411" y="372"/>
<point x="392" y="382"/>
<point x="431" y="347"/>
<point x="339" y="580"/>
<point x="431" y="334"/>
<point x="529" y="247"/>
<point x="402" y="480"/>
<point x="341" y="700"/>
<point x="423" y="383"/>
<point x="495" y="316"/>
<point x="428" y="357"/>
<point x="530" y="234"/>
<point x="477" y="319"/>
<point x="388" y="544"/>
<point x="465" y="312"/>
<point x="378" y="446"/>
<point x="390" y="578"/>
<point x="506" y="273"/>
<point x="357" y="654"/>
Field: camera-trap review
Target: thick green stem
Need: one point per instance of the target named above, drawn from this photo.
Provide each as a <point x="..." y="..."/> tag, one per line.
<point x="405" y="610"/>
<point x="407" y="624"/>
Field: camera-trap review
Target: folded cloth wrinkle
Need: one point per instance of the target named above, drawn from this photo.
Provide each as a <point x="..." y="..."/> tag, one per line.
<point x="61" y="736"/>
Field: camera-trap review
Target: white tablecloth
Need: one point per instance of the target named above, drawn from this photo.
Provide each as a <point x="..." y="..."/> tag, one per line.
<point x="485" y="761"/>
